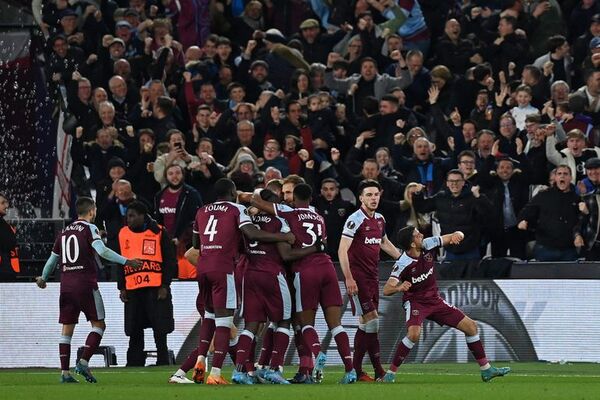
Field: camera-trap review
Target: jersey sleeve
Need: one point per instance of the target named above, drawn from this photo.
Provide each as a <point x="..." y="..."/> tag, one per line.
<point x="56" y="249"/>
<point x="285" y="228"/>
<point x="400" y="265"/>
<point x="281" y="209"/>
<point x="351" y="226"/>
<point x="432" y="242"/>
<point x="95" y="233"/>
<point x="243" y="217"/>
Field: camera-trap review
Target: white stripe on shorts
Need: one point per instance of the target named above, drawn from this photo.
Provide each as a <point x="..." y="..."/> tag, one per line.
<point x="231" y="302"/>
<point x="298" y="288"/>
<point x="242" y="296"/>
<point x="286" y="296"/>
<point x="407" y="308"/>
<point x="99" y="305"/>
<point x="357" y="306"/>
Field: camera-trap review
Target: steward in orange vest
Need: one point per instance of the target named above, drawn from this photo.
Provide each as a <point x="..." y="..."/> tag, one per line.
<point x="145" y="290"/>
<point x="9" y="252"/>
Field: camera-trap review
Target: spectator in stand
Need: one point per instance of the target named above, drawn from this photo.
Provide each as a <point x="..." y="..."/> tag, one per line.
<point x="560" y="58"/>
<point x="112" y="215"/>
<point x="176" y="155"/>
<point x="245" y="173"/>
<point x="524" y="107"/>
<point x="574" y="155"/>
<point x="589" y="188"/>
<point x="95" y="155"/>
<point x="369" y="82"/>
<point x="422" y="167"/>
<point x="454" y="52"/>
<point x="123" y="99"/>
<point x="272" y="157"/>
<point x="317" y="45"/>
<point x="175" y="208"/>
<point x="554" y="215"/>
<point x="206" y="172"/>
<point x="335" y="211"/>
<point x="508" y="191"/>
<point x="141" y="170"/>
<point x="457" y="208"/>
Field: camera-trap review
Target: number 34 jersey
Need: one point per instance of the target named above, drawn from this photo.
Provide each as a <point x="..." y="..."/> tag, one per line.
<point x="218" y="226"/>
<point x="306" y="225"/>
<point x="77" y="258"/>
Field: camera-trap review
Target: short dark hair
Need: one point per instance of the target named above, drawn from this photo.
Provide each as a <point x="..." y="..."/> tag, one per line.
<point x="367" y="183"/>
<point x="466" y="153"/>
<point x="390" y="98"/>
<point x="172" y="165"/>
<point x="224" y="187"/>
<point x="84" y="205"/>
<point x="404" y="237"/>
<point x="138" y="207"/>
<point x="302" y="192"/>
<point x="165" y="104"/>
<point x="174" y="131"/>
<point x="368" y="59"/>
<point x="268" y="195"/>
<point x="556" y="41"/>
<point x="455" y="172"/>
<point x="330" y="180"/>
<point x="535" y="72"/>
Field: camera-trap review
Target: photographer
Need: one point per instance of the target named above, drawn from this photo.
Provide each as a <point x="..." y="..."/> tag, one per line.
<point x="176" y="155"/>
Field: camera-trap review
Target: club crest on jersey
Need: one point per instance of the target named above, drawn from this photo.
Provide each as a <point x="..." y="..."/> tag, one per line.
<point x="149" y="247"/>
<point x="415" y="312"/>
<point x="341" y="212"/>
<point x="428" y="257"/>
<point x="367" y="228"/>
<point x="350" y="225"/>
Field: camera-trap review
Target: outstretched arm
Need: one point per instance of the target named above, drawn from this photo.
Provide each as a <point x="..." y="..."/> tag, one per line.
<point x="262" y="205"/>
<point x="452" y="238"/>
<point x="113" y="256"/>
<point x="48" y="268"/>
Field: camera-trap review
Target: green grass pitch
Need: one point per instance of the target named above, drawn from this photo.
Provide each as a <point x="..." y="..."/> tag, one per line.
<point x="414" y="381"/>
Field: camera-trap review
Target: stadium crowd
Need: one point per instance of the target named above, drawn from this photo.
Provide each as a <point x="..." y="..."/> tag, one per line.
<point x="482" y="116"/>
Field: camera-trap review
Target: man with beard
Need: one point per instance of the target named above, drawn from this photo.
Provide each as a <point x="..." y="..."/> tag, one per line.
<point x="175" y="207"/>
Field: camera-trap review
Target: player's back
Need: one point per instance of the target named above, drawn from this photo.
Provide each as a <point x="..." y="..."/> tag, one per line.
<point x="307" y="226"/>
<point x="366" y="234"/>
<point x="218" y="227"/>
<point x="78" y="261"/>
<point x="265" y="256"/>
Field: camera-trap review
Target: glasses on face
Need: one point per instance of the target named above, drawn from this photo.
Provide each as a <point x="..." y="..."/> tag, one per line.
<point x="468" y="162"/>
<point x="455" y="181"/>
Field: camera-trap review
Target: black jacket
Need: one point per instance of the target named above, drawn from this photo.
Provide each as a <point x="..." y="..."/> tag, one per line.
<point x="555" y="217"/>
<point x="189" y="202"/>
<point x="335" y="214"/>
<point x="463" y="213"/>
<point x="518" y="187"/>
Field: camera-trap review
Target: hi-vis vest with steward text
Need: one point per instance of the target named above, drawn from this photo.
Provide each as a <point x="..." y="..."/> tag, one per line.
<point x="146" y="247"/>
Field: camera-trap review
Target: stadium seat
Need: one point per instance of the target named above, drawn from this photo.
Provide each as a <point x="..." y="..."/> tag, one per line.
<point x="153" y="354"/>
<point x="110" y="357"/>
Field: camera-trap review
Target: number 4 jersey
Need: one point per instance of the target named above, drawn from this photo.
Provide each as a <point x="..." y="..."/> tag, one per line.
<point x="218" y="227"/>
<point x="77" y="258"/>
